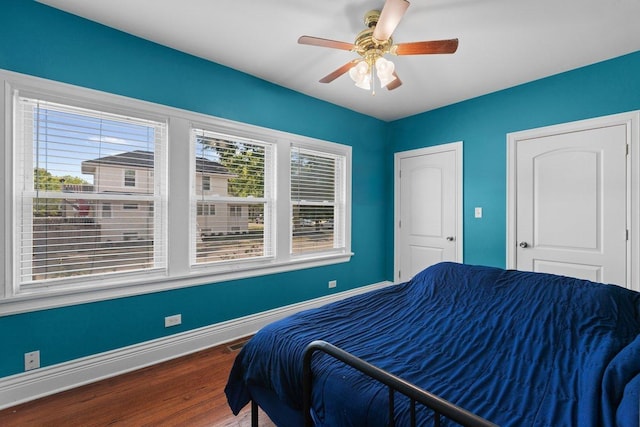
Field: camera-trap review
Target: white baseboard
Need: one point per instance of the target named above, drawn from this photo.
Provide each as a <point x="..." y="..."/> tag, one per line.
<point x="45" y="381"/>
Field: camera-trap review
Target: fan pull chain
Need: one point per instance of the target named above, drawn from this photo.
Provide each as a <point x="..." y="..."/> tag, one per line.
<point x="373" y="82"/>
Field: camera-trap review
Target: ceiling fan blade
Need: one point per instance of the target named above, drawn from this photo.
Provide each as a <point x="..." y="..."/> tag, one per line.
<point x="340" y="71"/>
<point x="426" y="48"/>
<point x="390" y="16"/>
<point x="394" y="84"/>
<point x="317" y="41"/>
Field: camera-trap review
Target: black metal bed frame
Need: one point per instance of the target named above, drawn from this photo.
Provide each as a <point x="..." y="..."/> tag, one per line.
<point x="439" y="406"/>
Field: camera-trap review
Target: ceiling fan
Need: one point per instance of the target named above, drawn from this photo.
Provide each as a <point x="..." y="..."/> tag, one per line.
<point x="373" y="43"/>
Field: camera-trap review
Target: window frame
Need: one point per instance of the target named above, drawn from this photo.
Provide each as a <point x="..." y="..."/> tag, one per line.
<point x="179" y="271"/>
<point x="83" y="99"/>
<point x="338" y="202"/>
<point x="215" y="128"/>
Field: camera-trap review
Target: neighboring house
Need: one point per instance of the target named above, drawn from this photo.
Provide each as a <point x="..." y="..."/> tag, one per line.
<point x="215" y="217"/>
<point x="125" y="212"/>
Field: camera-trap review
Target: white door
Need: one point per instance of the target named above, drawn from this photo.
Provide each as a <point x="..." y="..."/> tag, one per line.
<point x="571" y="203"/>
<point x="428" y="208"/>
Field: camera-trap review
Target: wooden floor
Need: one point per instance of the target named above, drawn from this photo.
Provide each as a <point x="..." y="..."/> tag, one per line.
<point x="188" y="391"/>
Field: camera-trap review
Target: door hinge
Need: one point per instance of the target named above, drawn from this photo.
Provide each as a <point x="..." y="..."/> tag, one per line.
<point x="399" y="274"/>
<point x="399" y="224"/>
<point x="627" y="235"/>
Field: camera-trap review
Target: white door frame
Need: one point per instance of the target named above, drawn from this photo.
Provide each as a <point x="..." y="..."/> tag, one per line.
<point x="453" y="146"/>
<point x="632" y="122"/>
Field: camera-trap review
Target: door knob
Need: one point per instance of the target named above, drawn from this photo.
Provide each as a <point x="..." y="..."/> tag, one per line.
<point x="450" y="238"/>
<point x="523" y="244"/>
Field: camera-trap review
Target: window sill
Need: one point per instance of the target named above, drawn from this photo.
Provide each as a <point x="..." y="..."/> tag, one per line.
<point x="45" y="299"/>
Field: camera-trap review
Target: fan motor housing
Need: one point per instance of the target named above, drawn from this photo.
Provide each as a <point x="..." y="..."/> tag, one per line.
<point x="371" y="18"/>
<point x="365" y="40"/>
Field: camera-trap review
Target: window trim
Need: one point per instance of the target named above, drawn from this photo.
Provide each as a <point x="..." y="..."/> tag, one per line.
<point x="179" y="273"/>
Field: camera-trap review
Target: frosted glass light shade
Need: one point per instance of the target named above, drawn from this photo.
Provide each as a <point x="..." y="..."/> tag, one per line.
<point x="360" y="75"/>
<point x="385" y="70"/>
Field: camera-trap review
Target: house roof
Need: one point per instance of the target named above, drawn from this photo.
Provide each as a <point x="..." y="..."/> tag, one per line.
<point x="144" y="159"/>
<point x="136" y="158"/>
<point x="204" y="165"/>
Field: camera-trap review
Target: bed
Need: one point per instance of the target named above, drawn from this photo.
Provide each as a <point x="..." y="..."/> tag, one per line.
<point x="516" y="348"/>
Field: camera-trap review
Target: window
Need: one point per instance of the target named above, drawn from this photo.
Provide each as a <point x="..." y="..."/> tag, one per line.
<point x="106" y="210"/>
<point x="70" y="159"/>
<point x="240" y="170"/>
<point x="88" y="215"/>
<point x="206" y="183"/>
<point x="317" y="201"/>
<point x="129" y="178"/>
<point x="206" y="209"/>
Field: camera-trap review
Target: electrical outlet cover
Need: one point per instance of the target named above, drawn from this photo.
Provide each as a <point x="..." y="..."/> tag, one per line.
<point x="174" y="320"/>
<point x="32" y="360"/>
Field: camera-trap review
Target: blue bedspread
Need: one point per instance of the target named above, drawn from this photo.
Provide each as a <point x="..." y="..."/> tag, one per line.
<point x="517" y="348"/>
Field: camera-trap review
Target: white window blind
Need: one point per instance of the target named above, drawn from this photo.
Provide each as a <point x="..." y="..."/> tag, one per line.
<point x="317" y="201"/>
<point x="231" y="216"/>
<point x="78" y="174"/>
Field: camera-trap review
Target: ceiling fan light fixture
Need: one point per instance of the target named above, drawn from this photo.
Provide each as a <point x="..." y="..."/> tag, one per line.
<point x="365" y="83"/>
<point x="360" y="75"/>
<point x="373" y="43"/>
<point x="385" y="69"/>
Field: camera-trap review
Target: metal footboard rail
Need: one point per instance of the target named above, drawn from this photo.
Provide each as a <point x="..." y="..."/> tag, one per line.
<point x="415" y="394"/>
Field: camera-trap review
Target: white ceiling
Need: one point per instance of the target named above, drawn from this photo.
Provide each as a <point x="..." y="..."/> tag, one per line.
<point x="502" y="42"/>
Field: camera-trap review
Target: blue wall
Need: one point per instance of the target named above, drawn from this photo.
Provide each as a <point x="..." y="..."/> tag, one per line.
<point x="482" y="124"/>
<point x="45" y="42"/>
